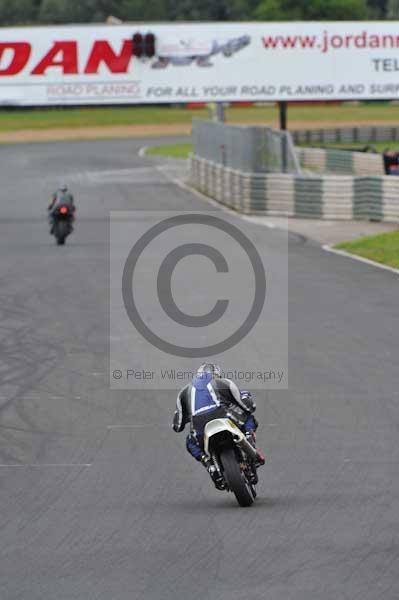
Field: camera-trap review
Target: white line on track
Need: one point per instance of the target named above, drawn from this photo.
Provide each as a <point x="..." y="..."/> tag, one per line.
<point x="45" y="465"/>
<point x="367" y="261"/>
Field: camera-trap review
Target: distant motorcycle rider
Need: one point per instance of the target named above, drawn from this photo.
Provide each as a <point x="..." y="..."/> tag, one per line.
<point x="208" y="397"/>
<point x="61" y="197"/>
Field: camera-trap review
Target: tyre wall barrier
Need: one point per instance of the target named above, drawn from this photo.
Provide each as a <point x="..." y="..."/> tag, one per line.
<point x="328" y="197"/>
<point x="330" y="161"/>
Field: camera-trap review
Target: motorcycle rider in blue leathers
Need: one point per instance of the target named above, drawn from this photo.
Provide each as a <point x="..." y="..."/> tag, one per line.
<point x="208" y="397"/>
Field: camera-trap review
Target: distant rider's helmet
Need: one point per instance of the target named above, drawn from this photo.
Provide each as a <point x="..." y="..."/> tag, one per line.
<point x="63" y="188"/>
<point x="211" y="368"/>
<point x="248" y="400"/>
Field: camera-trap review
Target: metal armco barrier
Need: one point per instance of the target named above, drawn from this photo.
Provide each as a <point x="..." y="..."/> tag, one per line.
<point x="367" y="135"/>
<point x="328" y="197"/>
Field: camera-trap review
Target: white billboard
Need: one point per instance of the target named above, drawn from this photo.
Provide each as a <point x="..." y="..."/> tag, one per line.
<point x="195" y="62"/>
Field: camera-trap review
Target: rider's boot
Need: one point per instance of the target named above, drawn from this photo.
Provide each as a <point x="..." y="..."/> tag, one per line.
<point x="260" y="457"/>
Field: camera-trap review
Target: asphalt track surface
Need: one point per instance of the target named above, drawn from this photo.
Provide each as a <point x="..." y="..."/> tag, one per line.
<point x="142" y="522"/>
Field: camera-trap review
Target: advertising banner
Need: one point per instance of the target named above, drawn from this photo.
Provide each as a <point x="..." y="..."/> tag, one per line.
<point x="207" y="62"/>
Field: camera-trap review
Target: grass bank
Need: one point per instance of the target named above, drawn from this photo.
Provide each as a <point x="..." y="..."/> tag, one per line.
<point x="298" y="116"/>
<point x="93" y="117"/>
<point x="383" y="248"/>
<point x="171" y="150"/>
<point x="183" y="150"/>
<point x="378" y="146"/>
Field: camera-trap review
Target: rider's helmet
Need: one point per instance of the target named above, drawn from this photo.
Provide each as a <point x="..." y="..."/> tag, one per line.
<point x="248" y="400"/>
<point x="211" y="368"/>
<point x="63" y="187"/>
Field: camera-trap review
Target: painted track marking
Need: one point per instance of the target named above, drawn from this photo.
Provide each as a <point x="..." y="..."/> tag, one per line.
<point x="361" y="259"/>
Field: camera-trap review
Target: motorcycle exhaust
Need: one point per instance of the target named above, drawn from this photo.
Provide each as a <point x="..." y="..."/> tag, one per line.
<point x="246" y="447"/>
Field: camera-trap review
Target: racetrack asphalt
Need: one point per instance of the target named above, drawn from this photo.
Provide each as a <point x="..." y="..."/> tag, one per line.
<point x="92" y="510"/>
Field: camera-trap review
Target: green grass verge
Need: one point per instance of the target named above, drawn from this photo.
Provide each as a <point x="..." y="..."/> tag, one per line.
<point x="183" y="150"/>
<point x="93" y="117"/>
<point x="14" y="120"/>
<point x="336" y="114"/>
<point x="172" y="150"/>
<point x="383" y="248"/>
<point x="379" y="146"/>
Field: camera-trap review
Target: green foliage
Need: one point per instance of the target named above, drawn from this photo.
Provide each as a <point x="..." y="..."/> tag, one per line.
<point x="76" y="11"/>
<point x="142" y="10"/>
<point x="314" y="10"/>
<point x="53" y="11"/>
<point x="271" y="10"/>
<point x="86" y="11"/>
<point x="377" y="9"/>
<point x="393" y="9"/>
<point x="20" y="12"/>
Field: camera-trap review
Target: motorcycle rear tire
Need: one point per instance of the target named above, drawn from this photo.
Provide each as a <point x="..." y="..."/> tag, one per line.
<point x="235" y="479"/>
<point x="61" y="231"/>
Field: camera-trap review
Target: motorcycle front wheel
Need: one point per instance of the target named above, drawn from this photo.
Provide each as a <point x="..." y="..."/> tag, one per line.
<point x="235" y="478"/>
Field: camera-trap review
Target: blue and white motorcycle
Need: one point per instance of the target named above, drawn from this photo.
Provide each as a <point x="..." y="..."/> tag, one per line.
<point x="234" y="457"/>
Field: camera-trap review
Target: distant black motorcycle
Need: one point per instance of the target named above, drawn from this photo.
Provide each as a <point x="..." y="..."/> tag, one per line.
<point x="62" y="219"/>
